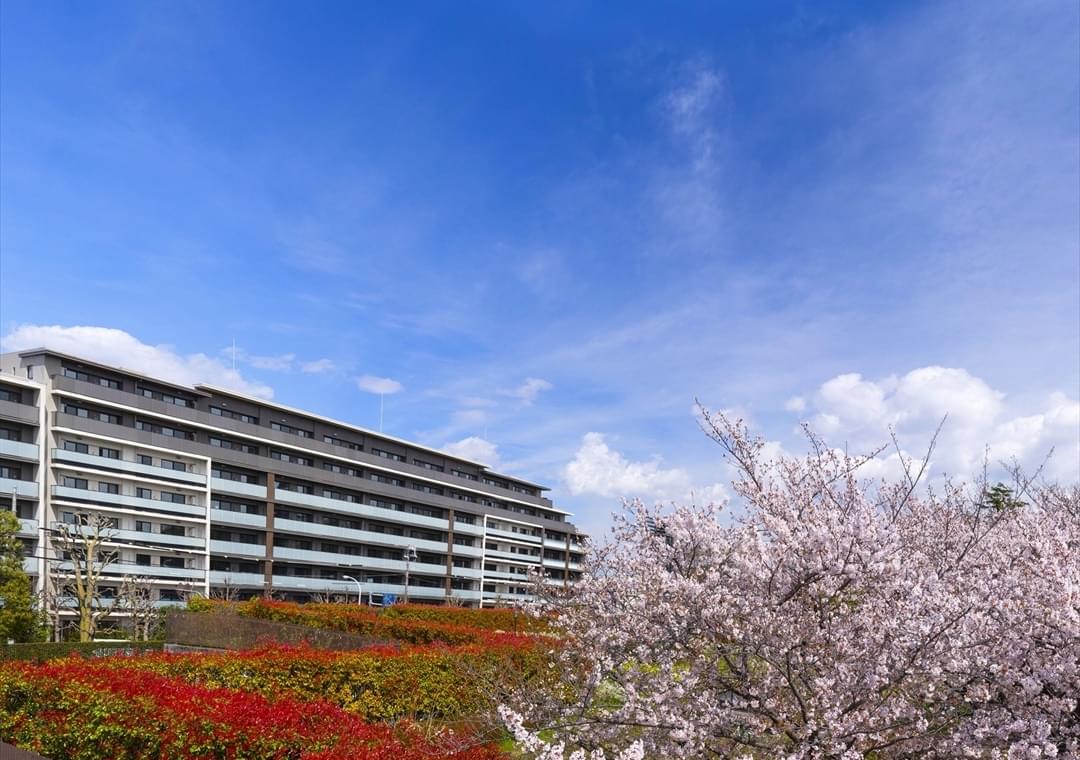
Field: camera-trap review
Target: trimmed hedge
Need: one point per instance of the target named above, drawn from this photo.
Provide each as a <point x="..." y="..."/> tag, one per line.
<point x="500" y="619"/>
<point x="43" y="651"/>
<point x="99" y="710"/>
<point x="387" y="625"/>
<point x="379" y="684"/>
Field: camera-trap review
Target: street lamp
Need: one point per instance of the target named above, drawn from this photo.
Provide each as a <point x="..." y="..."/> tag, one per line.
<point x="410" y="556"/>
<point x="359" y="588"/>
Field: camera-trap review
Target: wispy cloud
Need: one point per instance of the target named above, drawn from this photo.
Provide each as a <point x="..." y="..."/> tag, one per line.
<point x="317" y="367"/>
<point x="475" y="448"/>
<point x="529" y="390"/>
<point x="383" y="386"/>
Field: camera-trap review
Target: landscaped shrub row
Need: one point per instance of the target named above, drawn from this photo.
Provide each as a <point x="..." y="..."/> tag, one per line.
<point x="375" y="684"/>
<point x="49" y="650"/>
<point x="100" y="710"/>
<point x="501" y="619"/>
<point x="367" y="621"/>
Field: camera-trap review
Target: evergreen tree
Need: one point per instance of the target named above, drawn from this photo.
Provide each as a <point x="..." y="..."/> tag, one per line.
<point x="18" y="619"/>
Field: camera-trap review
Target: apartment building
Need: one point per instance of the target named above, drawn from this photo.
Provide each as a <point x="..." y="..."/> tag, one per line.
<point x="207" y="490"/>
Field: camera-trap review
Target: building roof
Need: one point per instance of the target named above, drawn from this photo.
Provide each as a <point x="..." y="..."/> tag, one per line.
<point x="207" y="391"/>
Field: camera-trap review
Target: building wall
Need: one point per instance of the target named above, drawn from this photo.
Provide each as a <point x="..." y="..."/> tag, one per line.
<point x="210" y="491"/>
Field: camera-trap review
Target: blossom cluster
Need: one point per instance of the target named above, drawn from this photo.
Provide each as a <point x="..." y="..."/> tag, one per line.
<point x="830" y="617"/>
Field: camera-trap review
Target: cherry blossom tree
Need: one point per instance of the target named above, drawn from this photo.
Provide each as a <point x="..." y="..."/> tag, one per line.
<point x="826" y="617"/>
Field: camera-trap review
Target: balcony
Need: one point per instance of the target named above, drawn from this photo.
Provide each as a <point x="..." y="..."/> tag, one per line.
<point x="24" y="413"/>
<point x="239" y="580"/>
<point x="190" y="574"/>
<point x="25" y="489"/>
<point x="128" y="502"/>
<point x="512" y="536"/>
<point x="158" y="539"/>
<point x="30" y="565"/>
<point x="237" y="549"/>
<point x="18" y="450"/>
<point x="28" y="528"/>
<point x="358" y="509"/>
<point x="522" y="558"/>
<point x="503" y="575"/>
<point x="236" y="488"/>
<point x="348" y="534"/>
<point x="123" y="465"/>
<point x="228" y="517"/>
<point x="354" y="561"/>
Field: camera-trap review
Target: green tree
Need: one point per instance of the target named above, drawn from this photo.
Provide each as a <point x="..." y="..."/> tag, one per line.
<point x="1000" y="498"/>
<point x="18" y="618"/>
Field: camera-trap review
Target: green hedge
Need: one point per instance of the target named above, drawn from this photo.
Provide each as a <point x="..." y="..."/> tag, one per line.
<point x="43" y="651"/>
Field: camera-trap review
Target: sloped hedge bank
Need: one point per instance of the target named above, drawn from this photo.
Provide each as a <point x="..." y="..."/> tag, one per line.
<point x="102" y="710"/>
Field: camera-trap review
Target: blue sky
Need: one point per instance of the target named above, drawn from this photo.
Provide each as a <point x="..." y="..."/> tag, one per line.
<point x="554" y="226"/>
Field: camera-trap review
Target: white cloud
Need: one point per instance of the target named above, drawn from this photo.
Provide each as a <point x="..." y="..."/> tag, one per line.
<point x="529" y="390"/>
<point x="112" y="346"/>
<point x="795" y="404"/>
<point x="690" y="110"/>
<point x="851" y="409"/>
<point x="384" y="386"/>
<point x="281" y="363"/>
<point x="598" y="469"/>
<point x="318" y="366"/>
<point x="475" y="448"/>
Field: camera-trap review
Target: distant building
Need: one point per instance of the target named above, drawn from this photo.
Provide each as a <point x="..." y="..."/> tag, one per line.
<point x="208" y="489"/>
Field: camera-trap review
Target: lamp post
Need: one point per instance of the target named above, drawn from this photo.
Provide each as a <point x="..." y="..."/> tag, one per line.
<point x="410" y="556"/>
<point x="359" y="589"/>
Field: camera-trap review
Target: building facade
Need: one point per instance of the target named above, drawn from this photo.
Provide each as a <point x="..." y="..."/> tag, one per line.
<point x="215" y="492"/>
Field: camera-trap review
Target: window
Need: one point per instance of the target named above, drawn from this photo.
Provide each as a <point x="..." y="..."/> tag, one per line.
<point x="7" y="394"/>
<point x="463" y="474"/>
<point x="497" y="483"/>
<point x="173" y="530"/>
<point x="168" y="398"/>
<point x="388" y="455"/>
<point x="86" y="377"/>
<point x="387" y="480"/>
<point x="293" y="458"/>
<point x="170" y="595"/>
<point x="108" y="453"/>
<point x="10" y="472"/>
<point x="145" y="459"/>
<point x="338" y="442"/>
<point x="175" y="562"/>
<point x="340" y="468"/>
<point x="92" y="414"/>
<point x="230" y="414"/>
<point x="142" y="526"/>
<point x="234" y="475"/>
<point x="142" y="559"/>
<point x="465" y="519"/>
<point x="226" y="443"/>
<point x="144" y="493"/>
<point x="108" y="488"/>
<point x="427" y="489"/>
<point x="284" y="428"/>
<point x="172" y="497"/>
<point x="172" y="432"/>
<point x="81" y="483"/>
<point x="172" y="464"/>
<point x="9" y="434"/>
<point x="428" y="465"/>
